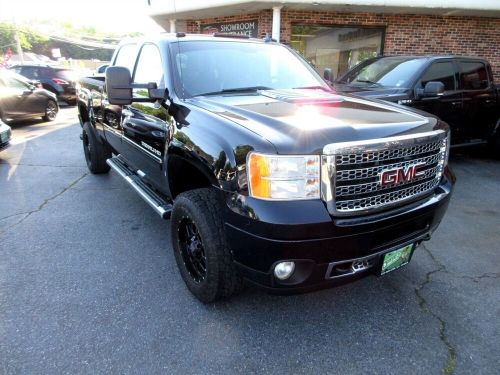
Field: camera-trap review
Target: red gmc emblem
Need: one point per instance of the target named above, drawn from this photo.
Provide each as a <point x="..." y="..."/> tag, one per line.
<point x="397" y="175"/>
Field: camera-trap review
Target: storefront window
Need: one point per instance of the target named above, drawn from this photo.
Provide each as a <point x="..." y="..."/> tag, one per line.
<point x="337" y="48"/>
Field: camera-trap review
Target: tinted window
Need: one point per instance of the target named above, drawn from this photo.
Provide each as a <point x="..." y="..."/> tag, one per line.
<point x="387" y="71"/>
<point x="126" y="56"/>
<point x="473" y="75"/>
<point x="212" y="66"/>
<point x="441" y="72"/>
<point x="149" y="67"/>
<point x="30" y="72"/>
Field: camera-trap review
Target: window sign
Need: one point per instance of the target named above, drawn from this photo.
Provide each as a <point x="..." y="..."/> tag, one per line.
<point x="249" y="28"/>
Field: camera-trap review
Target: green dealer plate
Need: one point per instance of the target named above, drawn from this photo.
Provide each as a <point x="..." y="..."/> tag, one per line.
<point x="396" y="259"/>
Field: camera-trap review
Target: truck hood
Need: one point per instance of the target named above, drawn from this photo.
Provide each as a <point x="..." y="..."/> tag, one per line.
<point x="304" y="121"/>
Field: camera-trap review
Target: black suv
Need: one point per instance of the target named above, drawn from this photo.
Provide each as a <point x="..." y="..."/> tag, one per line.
<point x="59" y="80"/>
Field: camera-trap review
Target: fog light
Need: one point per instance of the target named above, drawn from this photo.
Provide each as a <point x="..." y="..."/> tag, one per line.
<point x="284" y="270"/>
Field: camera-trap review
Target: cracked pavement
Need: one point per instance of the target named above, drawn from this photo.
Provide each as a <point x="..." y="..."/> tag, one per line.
<point x="88" y="284"/>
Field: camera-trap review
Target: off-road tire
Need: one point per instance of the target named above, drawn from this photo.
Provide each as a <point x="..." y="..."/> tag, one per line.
<point x="96" y="153"/>
<point x="203" y="208"/>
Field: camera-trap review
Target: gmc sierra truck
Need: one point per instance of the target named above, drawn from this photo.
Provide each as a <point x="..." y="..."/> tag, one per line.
<point x="460" y="90"/>
<point x="265" y="173"/>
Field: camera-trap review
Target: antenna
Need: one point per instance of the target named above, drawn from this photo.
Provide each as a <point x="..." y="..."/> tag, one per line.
<point x="177" y="60"/>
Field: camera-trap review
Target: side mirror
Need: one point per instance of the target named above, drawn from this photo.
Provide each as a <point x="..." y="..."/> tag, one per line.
<point x="327" y="75"/>
<point x="118" y="85"/>
<point x="432" y="89"/>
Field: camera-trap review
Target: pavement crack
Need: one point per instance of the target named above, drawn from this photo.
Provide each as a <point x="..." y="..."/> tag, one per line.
<point x="44" y="203"/>
<point x="451" y="360"/>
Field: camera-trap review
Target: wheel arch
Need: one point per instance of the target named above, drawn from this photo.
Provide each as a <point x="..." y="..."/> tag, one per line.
<point x="185" y="175"/>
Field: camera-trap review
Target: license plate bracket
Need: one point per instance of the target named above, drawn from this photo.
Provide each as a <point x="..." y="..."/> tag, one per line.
<point x="394" y="259"/>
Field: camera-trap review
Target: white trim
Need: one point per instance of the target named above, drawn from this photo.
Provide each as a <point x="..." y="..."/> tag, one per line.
<point x="172" y="25"/>
<point x="276" y="23"/>
<point x="197" y="9"/>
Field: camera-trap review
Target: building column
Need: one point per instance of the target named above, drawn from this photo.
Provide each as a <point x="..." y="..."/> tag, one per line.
<point x="172" y="26"/>
<point x="276" y="23"/>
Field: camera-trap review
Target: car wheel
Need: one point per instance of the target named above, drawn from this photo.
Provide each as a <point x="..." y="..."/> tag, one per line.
<point x="96" y="153"/>
<point x="200" y="247"/>
<point x="51" y="111"/>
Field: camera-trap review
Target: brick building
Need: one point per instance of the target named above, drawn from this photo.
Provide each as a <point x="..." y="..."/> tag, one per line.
<point x="339" y="34"/>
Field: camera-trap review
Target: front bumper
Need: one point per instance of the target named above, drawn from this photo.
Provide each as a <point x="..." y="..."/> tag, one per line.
<point x="263" y="233"/>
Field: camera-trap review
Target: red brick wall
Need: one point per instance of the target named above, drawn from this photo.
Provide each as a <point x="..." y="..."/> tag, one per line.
<point x="405" y="33"/>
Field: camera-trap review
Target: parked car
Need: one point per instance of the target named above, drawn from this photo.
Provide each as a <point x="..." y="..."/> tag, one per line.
<point x="20" y="100"/>
<point x="5" y="134"/>
<point x="265" y="172"/>
<point x="460" y="90"/>
<point x="59" y="80"/>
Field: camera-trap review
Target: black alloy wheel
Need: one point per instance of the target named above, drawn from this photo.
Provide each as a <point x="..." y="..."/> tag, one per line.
<point x="201" y="251"/>
<point x="192" y="250"/>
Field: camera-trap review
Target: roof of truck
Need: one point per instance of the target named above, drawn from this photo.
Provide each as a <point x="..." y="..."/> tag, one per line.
<point x="174" y="37"/>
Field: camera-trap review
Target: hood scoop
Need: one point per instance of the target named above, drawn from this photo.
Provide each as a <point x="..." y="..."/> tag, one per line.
<point x="303" y="96"/>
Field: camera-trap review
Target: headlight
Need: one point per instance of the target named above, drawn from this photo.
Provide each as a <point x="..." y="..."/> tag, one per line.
<point x="279" y="177"/>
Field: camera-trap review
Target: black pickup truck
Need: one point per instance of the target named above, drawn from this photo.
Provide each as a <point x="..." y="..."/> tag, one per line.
<point x="459" y="90"/>
<point x="266" y="174"/>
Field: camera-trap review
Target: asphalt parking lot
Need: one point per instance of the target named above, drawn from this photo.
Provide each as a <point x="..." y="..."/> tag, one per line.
<point x="88" y="284"/>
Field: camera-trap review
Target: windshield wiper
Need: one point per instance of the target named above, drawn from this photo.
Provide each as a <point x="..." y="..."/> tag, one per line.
<point x="366" y="81"/>
<point x="312" y="88"/>
<point x="236" y="90"/>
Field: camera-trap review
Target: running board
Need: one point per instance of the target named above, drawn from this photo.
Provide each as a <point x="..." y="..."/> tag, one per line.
<point x="162" y="207"/>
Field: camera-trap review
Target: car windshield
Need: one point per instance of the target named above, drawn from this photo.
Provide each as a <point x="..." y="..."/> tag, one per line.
<point x="386" y="72"/>
<point x="213" y="67"/>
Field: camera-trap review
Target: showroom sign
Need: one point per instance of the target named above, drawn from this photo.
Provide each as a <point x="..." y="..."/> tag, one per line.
<point x="249" y="28"/>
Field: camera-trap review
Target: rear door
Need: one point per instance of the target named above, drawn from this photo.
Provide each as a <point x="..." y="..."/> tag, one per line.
<point x="449" y="106"/>
<point x="144" y="123"/>
<point x="479" y="98"/>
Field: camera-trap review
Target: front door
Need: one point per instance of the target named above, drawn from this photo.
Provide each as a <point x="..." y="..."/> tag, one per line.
<point x="449" y="106"/>
<point x="146" y="125"/>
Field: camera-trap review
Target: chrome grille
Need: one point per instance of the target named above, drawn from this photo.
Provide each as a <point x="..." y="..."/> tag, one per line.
<point x="352" y="171"/>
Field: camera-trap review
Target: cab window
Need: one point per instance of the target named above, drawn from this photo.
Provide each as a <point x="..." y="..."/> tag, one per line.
<point x="126" y="56"/>
<point x="441" y="72"/>
<point x="149" y="66"/>
<point x="473" y="75"/>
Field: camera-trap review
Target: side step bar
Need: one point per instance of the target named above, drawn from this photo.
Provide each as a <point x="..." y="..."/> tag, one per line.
<point x="162" y="207"/>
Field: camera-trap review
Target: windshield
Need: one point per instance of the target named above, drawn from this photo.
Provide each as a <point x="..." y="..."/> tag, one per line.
<point x="217" y="66"/>
<point x="387" y="72"/>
